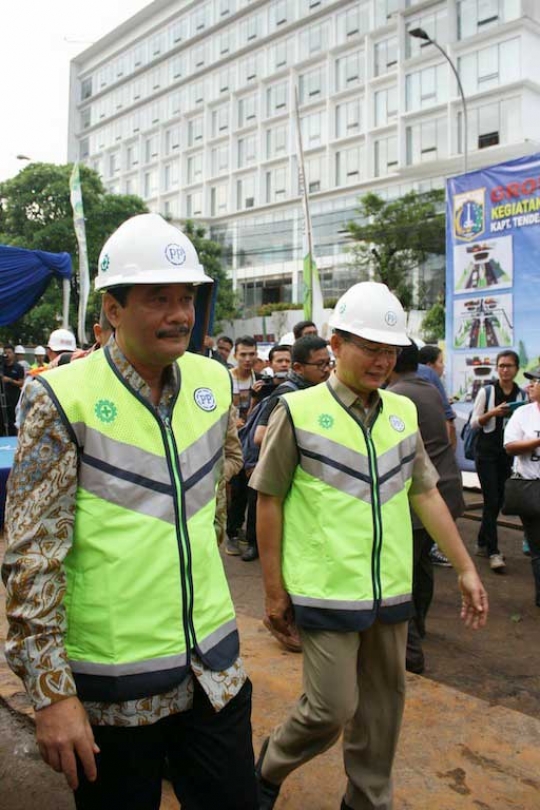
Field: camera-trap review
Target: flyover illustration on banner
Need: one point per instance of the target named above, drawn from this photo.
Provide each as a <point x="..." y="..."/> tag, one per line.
<point x="492" y="272"/>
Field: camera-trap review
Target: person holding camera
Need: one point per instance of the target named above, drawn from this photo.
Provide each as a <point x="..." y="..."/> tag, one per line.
<point x="12" y="379"/>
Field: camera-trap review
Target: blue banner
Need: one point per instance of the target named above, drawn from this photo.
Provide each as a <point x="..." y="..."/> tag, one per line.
<point x="492" y="272"/>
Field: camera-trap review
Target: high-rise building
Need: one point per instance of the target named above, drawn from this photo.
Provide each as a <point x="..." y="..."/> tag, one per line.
<point x="190" y="105"/>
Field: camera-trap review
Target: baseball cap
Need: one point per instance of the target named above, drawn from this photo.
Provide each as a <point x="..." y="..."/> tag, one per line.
<point x="62" y="340"/>
<point x="20" y="349"/>
<point x="533" y="375"/>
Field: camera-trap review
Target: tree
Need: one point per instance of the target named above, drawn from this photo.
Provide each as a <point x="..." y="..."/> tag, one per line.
<point x="396" y="237"/>
<point x="209" y="253"/>
<point x="35" y="213"/>
<point x="433" y="325"/>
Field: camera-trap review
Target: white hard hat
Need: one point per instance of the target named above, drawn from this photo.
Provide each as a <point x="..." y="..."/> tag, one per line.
<point x="148" y="250"/>
<point x="371" y="311"/>
<point x="20" y="349"/>
<point x="62" y="340"/>
<point x="288" y="339"/>
<point x="40" y="351"/>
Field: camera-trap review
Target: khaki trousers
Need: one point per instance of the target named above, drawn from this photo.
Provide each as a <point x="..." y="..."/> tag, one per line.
<point x="355" y="683"/>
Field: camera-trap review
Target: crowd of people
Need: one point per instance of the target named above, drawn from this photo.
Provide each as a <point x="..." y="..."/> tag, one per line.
<point x="331" y="461"/>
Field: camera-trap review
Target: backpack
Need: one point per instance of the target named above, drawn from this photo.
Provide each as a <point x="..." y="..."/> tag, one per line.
<point x="470" y="434"/>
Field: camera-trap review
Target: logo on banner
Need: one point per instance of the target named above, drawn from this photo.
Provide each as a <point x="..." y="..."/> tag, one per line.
<point x="469" y="214"/>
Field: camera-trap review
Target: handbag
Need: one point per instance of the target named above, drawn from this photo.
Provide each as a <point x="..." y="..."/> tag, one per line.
<point x="522" y="497"/>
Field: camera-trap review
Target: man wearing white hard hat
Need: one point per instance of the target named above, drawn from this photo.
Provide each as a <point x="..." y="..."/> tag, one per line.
<point x="61" y="346"/>
<point x="20" y="356"/>
<point x="339" y="465"/>
<point x="40" y="354"/>
<point x="121" y="621"/>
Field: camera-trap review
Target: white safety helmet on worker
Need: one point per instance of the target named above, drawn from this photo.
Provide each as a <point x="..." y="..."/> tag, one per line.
<point x="148" y="250"/>
<point x="62" y="340"/>
<point x="39" y="351"/>
<point x="371" y="311"/>
<point x="20" y="349"/>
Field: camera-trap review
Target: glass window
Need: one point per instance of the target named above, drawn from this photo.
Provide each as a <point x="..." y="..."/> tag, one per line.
<point x="490" y="67"/>
<point x="178" y="31"/>
<point x="174" y="104"/>
<point x="249" y="69"/>
<point x="150" y="183"/>
<point x="353" y="22"/>
<point x="385" y="150"/>
<point x="426" y="87"/>
<point x="350" y="70"/>
<point x="195" y="130"/>
<point x="385" y="106"/>
<point x="247" y="150"/>
<point x="86" y="88"/>
<point x="276" y="184"/>
<point x="219" y="157"/>
<point x="197" y="93"/>
<point x="312" y="130"/>
<point x="84" y="148"/>
<point x="349" y="165"/>
<point x="172" y="140"/>
<point x="384" y="10"/>
<point x="194" y="168"/>
<point x="385" y="56"/>
<point x="281" y="54"/>
<point x="220" y="121"/>
<point x="311" y="86"/>
<point x="226" y="42"/>
<point x="434" y="23"/>
<point x="170" y="175"/>
<point x="427" y="141"/>
<point x="194" y="204"/>
<point x="218" y="199"/>
<point x="157" y="44"/>
<point x="198" y="56"/>
<point x="247" y="110"/>
<point x="177" y="68"/>
<point x="139" y="54"/>
<point x="276" y="98"/>
<point x="132" y="155"/>
<point x="349" y="118"/>
<point x="86" y="118"/>
<point x="251" y="28"/>
<point x="314" y="39"/>
<point x="200" y="18"/>
<point x="479" y="15"/>
<point x="281" y="12"/>
<point x="277" y="140"/>
<point x="245" y="192"/>
<point x="151" y="148"/>
<point x="316" y="174"/>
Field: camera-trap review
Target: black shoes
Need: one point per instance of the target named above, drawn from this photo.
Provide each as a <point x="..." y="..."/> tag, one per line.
<point x="251" y="553"/>
<point x="268" y="793"/>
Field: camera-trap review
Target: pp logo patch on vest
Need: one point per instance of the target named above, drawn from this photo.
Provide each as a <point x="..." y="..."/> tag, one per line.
<point x="105" y="410"/>
<point x="175" y="254"/>
<point x="205" y="399"/>
<point x="397" y="423"/>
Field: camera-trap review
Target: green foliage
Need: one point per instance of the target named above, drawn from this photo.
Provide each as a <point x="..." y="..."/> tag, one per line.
<point x="433" y="325"/>
<point x="282" y="306"/>
<point x="397" y="237"/>
<point x="35" y="213"/>
<point x="209" y="253"/>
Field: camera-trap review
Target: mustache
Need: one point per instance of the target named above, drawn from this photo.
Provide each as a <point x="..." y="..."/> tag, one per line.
<point x="179" y="331"/>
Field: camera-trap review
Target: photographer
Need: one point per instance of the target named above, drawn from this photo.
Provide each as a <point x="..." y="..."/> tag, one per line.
<point x="12" y="377"/>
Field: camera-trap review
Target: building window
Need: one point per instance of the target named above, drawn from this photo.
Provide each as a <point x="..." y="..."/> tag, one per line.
<point x="86" y="118"/>
<point x="224" y="42"/>
<point x="200" y="19"/>
<point x="219" y="157"/>
<point x="245" y="193"/>
<point x="247" y="150"/>
<point x="86" y="89"/>
<point x="311" y="86"/>
<point x="218" y="200"/>
<point x="277" y="141"/>
<point x="178" y="31"/>
<point x="385" y="150"/>
<point x="198" y="56"/>
<point x="491" y="124"/>
<point x="386" y="106"/>
<point x="84" y="148"/>
<point x="276" y="184"/>
<point x="434" y="23"/>
<point x="194" y="204"/>
<point x="280" y="13"/>
<point x="225" y="7"/>
<point x="349" y="166"/>
<point x="155" y="79"/>
<point x="172" y="140"/>
<point x="276" y="99"/>
<point x="315" y="174"/>
<point x="132" y="156"/>
<point x="490" y="67"/>
<point x="177" y="67"/>
<point x="248" y="69"/>
<point x="197" y="93"/>
<point x="385" y="55"/>
<point x="353" y="22"/>
<point x="281" y="54"/>
<point x="251" y="28"/>
<point x="314" y="39"/>
<point x="312" y="132"/>
<point x="479" y="15"/>
<point x="157" y="44"/>
<point x="384" y="9"/>
<point x="139" y="55"/>
<point x="151" y="149"/>
<point x="195" y="131"/>
<point x="247" y="110"/>
<point x="170" y="175"/>
<point x="348" y="118"/>
<point x="175" y="104"/>
<point x="195" y="169"/>
<point x="426" y="87"/>
<point x="350" y="70"/>
<point x="220" y="121"/>
<point x="426" y="141"/>
<point x="150" y="183"/>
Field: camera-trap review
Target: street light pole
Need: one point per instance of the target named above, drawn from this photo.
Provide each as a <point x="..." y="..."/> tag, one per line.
<point x="419" y="33"/>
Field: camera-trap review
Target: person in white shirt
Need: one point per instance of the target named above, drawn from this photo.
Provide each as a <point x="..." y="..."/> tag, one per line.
<point x="522" y="440"/>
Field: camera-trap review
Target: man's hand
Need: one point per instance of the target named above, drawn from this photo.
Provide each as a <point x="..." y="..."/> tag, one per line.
<point x="279" y="610"/>
<point x="474" y="599"/>
<point x="64" y="732"/>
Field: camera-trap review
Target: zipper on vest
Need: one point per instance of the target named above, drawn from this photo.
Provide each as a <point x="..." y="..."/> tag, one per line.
<point x="377" y="520"/>
<point x="184" y="548"/>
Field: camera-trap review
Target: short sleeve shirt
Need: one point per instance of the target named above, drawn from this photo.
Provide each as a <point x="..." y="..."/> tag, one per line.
<point x="524" y="424"/>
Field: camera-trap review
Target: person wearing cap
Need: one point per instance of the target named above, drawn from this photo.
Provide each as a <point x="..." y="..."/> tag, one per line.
<point x="20" y="357"/>
<point x="522" y="443"/>
<point x="339" y="465"/>
<point x="121" y="622"/>
<point x="11" y="382"/>
<point x="39" y="353"/>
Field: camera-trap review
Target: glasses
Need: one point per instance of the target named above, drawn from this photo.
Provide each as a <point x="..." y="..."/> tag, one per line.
<point x="386" y="352"/>
<point x="321" y="365"/>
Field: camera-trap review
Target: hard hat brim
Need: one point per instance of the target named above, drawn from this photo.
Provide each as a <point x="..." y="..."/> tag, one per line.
<point x="163" y="277"/>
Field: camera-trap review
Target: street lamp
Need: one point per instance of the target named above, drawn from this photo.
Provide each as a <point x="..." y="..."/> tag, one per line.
<point x="419" y="33"/>
<point x="22" y="157"/>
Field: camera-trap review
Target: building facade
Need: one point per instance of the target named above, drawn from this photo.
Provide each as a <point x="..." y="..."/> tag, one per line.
<point x="190" y="105"/>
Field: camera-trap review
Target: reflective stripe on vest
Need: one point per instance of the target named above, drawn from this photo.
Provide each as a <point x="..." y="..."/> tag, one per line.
<point x="145" y="581"/>
<point x="347" y="539"/>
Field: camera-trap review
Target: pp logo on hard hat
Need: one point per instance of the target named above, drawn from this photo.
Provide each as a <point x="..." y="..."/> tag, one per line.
<point x="390" y="318"/>
<point x="397" y="423"/>
<point x="205" y="399"/>
<point x="105" y="263"/>
<point x="175" y="254"/>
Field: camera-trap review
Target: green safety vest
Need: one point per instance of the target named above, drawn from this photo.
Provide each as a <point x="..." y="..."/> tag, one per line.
<point x="347" y="537"/>
<point x="145" y="581"/>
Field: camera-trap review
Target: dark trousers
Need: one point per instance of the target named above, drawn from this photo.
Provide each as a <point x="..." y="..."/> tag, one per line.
<point x="422" y="597"/>
<point x="492" y="473"/>
<point x="210" y="758"/>
<point x="532" y="530"/>
<point x="251" y="520"/>
<point x="236" y="511"/>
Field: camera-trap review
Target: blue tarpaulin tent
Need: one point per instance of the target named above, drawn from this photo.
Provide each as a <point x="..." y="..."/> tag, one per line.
<point x="24" y="277"/>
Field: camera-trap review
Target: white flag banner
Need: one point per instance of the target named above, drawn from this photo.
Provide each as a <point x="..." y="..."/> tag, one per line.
<point x="80" y="232"/>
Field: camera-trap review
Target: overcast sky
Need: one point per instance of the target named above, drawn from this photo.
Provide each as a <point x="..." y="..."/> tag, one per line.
<point x="39" y="39"/>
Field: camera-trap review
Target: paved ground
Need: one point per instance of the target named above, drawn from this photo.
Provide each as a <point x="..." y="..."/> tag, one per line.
<point x="470" y="734"/>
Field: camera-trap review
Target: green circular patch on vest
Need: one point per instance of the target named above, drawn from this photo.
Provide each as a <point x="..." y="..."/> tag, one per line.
<point x="105" y="263"/>
<point x="105" y="410"/>
<point x="326" y="421"/>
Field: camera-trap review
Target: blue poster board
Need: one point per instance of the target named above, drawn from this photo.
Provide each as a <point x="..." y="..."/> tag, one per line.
<point x="492" y="272"/>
